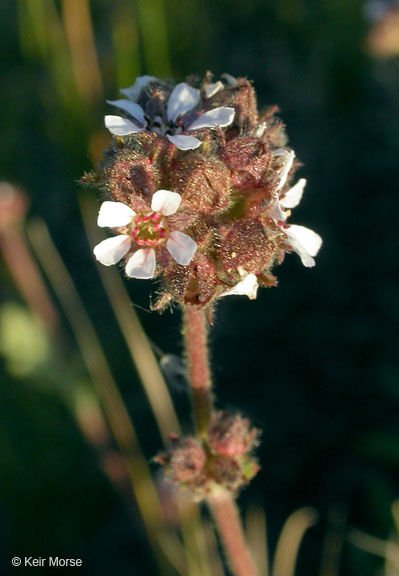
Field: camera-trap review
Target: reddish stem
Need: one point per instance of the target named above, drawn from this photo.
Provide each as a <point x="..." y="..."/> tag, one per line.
<point x="226" y="516"/>
<point x="221" y="503"/>
<point x="195" y="332"/>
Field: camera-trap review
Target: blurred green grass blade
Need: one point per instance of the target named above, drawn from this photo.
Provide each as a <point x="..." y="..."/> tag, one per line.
<point x="48" y="41"/>
<point x="291" y="536"/>
<point x="139" y="347"/>
<point x="125" y="43"/>
<point x="107" y="390"/>
<point x="392" y="565"/>
<point x="79" y="34"/>
<point x="154" y="37"/>
<point x="215" y="561"/>
<point x="395" y="515"/>
<point x="257" y="538"/>
<point x="333" y="541"/>
<point x="194" y="538"/>
<point x="384" y="548"/>
<point x="64" y="42"/>
<point x="32" y="27"/>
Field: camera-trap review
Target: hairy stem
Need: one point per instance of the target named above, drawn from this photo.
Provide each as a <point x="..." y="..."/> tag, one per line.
<point x="226" y="516"/>
<point x="221" y="503"/>
<point x="195" y="332"/>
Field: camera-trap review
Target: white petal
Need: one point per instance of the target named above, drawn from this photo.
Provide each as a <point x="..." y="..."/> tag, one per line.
<point x="222" y="116"/>
<point x="286" y="168"/>
<point x="231" y="81"/>
<point x="121" y="126"/>
<point x="213" y="88"/>
<point x="184" y="142"/>
<point x="111" y="250"/>
<point x="181" y="247"/>
<point x="304" y="242"/>
<point x="182" y="99"/>
<point x="133" y="92"/>
<point x="248" y="286"/>
<point x="114" y="214"/>
<point x="165" y="202"/>
<point x="294" y="194"/>
<point x="131" y="108"/>
<point x="141" y="264"/>
<point x="276" y="213"/>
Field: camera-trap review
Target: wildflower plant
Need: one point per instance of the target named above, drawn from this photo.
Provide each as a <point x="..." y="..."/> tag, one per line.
<point x="198" y="188"/>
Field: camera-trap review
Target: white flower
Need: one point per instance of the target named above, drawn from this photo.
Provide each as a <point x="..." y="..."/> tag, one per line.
<point x="148" y="229"/>
<point x="183" y="99"/>
<point x="287" y="165"/>
<point x="247" y="286"/>
<point x="303" y="241"/>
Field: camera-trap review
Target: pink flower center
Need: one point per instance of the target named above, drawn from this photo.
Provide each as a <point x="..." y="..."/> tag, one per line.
<point x="149" y="230"/>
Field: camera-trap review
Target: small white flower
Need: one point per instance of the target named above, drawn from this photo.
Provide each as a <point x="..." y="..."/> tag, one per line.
<point x="183" y="99"/>
<point x="303" y="241"/>
<point x="247" y="286"/>
<point x="148" y="230"/>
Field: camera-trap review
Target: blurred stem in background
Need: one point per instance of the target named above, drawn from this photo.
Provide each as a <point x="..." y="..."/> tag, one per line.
<point x="13" y="208"/>
<point x="386" y="549"/>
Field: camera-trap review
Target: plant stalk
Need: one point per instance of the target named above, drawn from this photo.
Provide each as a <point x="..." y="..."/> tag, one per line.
<point x="195" y="332"/>
<point x="228" y="522"/>
<point x="221" y="502"/>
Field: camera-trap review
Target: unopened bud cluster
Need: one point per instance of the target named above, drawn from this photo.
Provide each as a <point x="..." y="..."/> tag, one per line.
<point x="222" y="460"/>
<point x="197" y="189"/>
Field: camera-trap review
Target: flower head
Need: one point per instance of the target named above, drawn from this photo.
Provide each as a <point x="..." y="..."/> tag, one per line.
<point x="147" y="231"/>
<point x="171" y="117"/>
<point x="226" y="225"/>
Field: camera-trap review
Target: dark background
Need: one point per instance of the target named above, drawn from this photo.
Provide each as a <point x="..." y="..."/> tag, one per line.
<point x="312" y="362"/>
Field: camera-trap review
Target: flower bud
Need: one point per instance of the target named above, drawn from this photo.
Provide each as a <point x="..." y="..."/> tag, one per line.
<point x="248" y="160"/>
<point x="184" y="461"/>
<point x="244" y="244"/>
<point x="203" y="183"/>
<point x="231" y="435"/>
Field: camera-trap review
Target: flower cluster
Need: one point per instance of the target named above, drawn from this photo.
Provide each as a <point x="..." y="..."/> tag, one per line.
<point x="198" y="190"/>
<point x="223" y="459"/>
